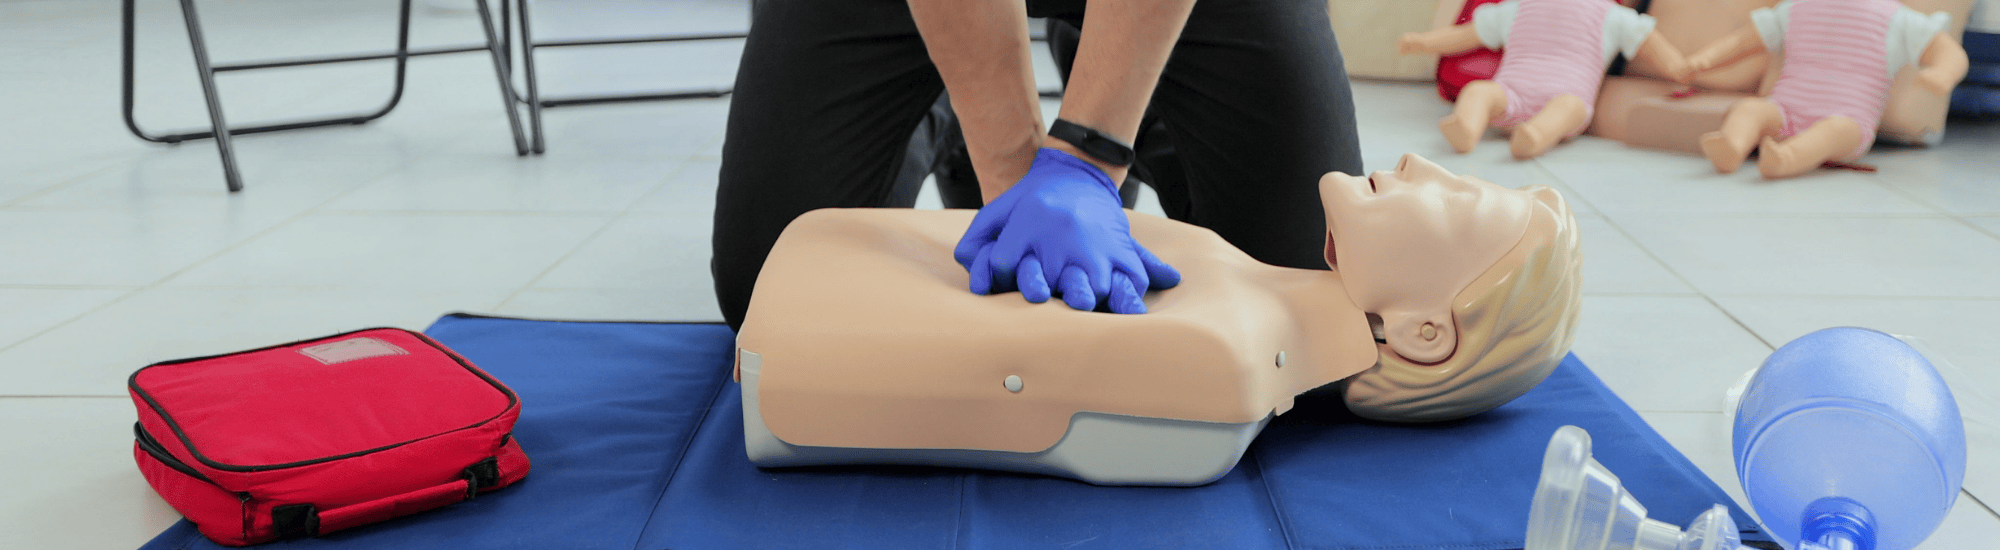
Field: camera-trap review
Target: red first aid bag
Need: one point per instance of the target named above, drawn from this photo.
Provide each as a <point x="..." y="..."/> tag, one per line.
<point x="322" y="435"/>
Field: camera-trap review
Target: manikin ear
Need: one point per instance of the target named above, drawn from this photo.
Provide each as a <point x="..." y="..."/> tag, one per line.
<point x="1420" y="336"/>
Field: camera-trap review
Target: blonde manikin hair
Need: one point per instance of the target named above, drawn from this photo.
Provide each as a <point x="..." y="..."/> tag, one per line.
<point x="1515" y="324"/>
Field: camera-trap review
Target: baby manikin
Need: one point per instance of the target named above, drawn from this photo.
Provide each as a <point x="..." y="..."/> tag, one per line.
<point x="862" y="346"/>
<point x="1546" y="88"/>
<point x="1840" y="63"/>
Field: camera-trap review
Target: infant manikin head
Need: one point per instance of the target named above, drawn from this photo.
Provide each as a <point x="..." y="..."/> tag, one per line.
<point x="1477" y="287"/>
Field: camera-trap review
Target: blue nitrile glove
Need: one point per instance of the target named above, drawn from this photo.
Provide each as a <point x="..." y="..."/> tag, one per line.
<point x="1062" y="224"/>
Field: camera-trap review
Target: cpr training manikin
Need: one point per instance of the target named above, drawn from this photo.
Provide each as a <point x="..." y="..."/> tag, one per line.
<point x="1448" y="296"/>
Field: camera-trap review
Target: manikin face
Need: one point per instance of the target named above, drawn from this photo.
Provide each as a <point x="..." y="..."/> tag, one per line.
<point x="1407" y="241"/>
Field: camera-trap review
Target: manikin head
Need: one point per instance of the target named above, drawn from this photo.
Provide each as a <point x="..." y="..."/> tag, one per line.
<point x="1477" y="287"/>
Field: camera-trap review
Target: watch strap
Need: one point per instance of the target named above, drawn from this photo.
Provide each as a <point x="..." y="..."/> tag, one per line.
<point x="1097" y="145"/>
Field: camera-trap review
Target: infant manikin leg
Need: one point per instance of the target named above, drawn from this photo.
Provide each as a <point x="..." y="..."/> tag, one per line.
<point x="1557" y="120"/>
<point x="1747" y="121"/>
<point x="1478" y="104"/>
<point x="1830" y="138"/>
<point x="1579" y="505"/>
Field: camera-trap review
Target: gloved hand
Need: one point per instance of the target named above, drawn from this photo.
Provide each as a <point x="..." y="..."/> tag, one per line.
<point x="1062" y="224"/>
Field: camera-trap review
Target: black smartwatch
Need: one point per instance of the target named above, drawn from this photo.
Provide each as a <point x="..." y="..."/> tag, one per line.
<point x="1104" y="148"/>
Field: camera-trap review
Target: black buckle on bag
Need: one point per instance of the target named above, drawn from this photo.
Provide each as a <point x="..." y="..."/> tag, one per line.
<point x="480" y="475"/>
<point x="293" y="521"/>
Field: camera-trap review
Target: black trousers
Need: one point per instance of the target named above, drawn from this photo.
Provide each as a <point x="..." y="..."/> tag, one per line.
<point x="830" y="97"/>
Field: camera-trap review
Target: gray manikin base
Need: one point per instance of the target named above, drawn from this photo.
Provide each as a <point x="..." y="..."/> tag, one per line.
<point x="1099" y="448"/>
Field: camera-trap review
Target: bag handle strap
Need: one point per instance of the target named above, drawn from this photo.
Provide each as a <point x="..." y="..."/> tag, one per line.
<point x="306" y="520"/>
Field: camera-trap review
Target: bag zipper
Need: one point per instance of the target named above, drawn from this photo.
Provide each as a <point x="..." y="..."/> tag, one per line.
<point x="152" y="447"/>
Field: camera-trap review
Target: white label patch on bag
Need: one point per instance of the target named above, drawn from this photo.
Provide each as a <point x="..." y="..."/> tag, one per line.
<point x="352" y="349"/>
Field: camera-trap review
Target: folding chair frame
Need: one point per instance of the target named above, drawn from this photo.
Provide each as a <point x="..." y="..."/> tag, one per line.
<point x="536" y="102"/>
<point x="221" y="132"/>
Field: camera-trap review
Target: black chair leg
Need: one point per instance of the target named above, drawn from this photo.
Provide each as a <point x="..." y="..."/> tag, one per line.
<point x="500" y="70"/>
<point x="534" y="93"/>
<point x="221" y="129"/>
<point x="537" y="102"/>
<point x="222" y="133"/>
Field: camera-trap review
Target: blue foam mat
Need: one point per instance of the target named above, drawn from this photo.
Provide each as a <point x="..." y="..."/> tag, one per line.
<point x="635" y="431"/>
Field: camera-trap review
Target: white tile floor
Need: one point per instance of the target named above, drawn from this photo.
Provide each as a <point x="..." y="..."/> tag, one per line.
<point x="115" y="253"/>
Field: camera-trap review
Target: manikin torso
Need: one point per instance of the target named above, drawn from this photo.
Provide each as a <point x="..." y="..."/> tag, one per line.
<point x="909" y="327"/>
<point x="863" y="345"/>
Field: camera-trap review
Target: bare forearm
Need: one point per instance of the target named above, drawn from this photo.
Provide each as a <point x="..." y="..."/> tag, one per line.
<point x="1124" y="47"/>
<point x="981" y="50"/>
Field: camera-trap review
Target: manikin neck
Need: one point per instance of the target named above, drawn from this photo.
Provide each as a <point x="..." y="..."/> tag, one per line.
<point x="1326" y="321"/>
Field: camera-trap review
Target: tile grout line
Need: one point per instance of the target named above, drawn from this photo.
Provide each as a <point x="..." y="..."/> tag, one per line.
<point x="204" y="260"/>
<point x="471" y="213"/>
<point x="65" y="397"/>
<point x="17" y="201"/>
<point x="1790" y="215"/>
<point x="68" y="287"/>
<point x="1739" y="322"/>
<point x="622" y="213"/>
<point x="1960" y="218"/>
<point x="155" y="284"/>
<point x="1865" y="297"/>
<point x="1615" y="226"/>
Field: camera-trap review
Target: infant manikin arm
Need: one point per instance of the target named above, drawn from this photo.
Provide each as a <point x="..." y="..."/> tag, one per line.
<point x="1488" y="28"/>
<point x="1727" y="50"/>
<point x="1446" y="41"/>
<point x="1667" y="57"/>
<point x="1944" y="64"/>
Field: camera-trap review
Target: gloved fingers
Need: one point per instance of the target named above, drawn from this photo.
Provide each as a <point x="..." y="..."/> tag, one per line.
<point x="1003" y="281"/>
<point x="1125" y="295"/>
<point x="1004" y="268"/>
<point x="985" y="228"/>
<point x="1034" y="286"/>
<point x="1011" y="246"/>
<point x="1097" y="268"/>
<point x="980" y="272"/>
<point x="1159" y="275"/>
<point x="1131" y="269"/>
<point x="1076" y="289"/>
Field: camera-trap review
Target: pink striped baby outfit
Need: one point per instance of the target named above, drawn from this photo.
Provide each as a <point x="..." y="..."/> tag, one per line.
<point x="1836" y="63"/>
<point x="1555" y="48"/>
